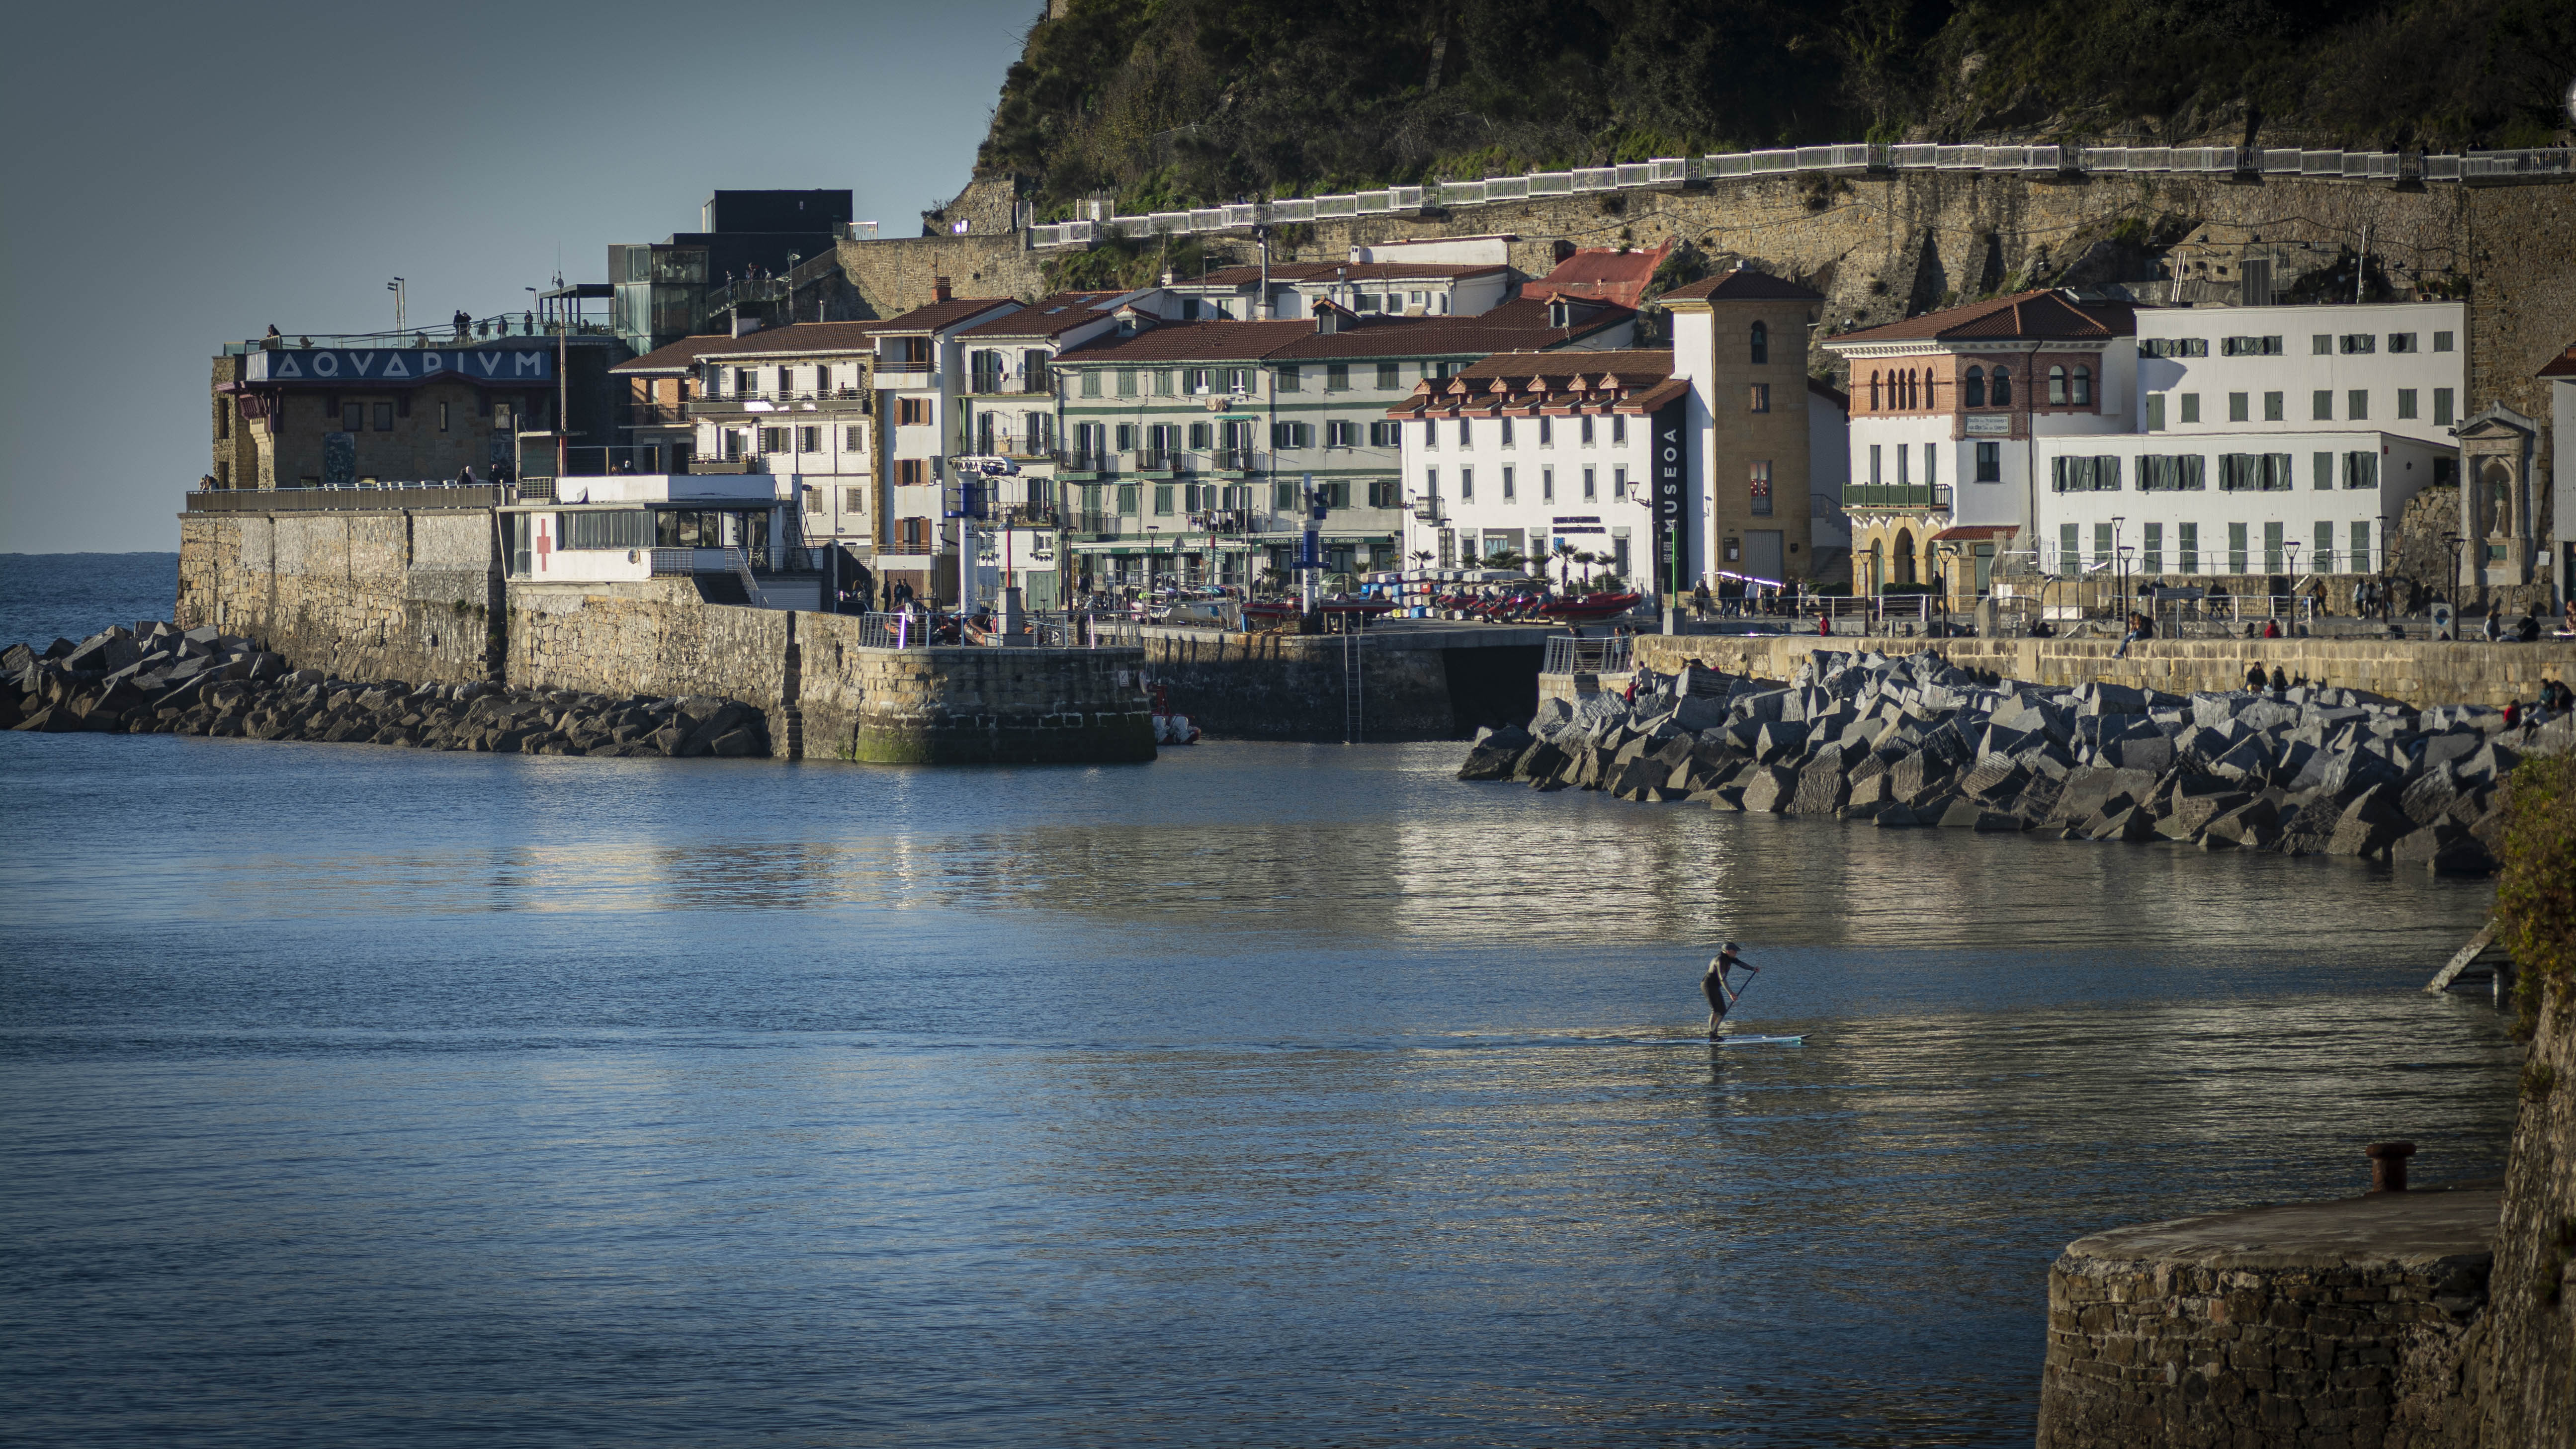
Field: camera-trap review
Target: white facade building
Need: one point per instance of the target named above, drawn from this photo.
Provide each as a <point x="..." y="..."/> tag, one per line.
<point x="2269" y="440"/>
<point x="1525" y="452"/>
<point x="920" y="377"/>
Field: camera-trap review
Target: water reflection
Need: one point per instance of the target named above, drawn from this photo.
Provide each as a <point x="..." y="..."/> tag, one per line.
<point x="1263" y="1095"/>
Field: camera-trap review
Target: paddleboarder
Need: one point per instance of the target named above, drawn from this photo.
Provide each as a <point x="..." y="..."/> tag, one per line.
<point x="1720" y="993"/>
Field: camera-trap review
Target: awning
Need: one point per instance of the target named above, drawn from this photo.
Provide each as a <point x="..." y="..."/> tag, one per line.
<point x="1975" y="532"/>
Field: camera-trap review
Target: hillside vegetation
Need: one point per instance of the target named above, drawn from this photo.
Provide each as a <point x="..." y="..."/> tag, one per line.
<point x="1166" y="102"/>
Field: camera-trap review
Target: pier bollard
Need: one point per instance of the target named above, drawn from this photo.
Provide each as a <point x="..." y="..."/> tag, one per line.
<point x="2388" y="1165"/>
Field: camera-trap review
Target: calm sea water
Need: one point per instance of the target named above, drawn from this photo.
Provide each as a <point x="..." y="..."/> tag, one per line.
<point x="45" y="596"/>
<point x="1266" y="1094"/>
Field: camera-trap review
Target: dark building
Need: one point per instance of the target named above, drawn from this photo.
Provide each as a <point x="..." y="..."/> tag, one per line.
<point x="738" y="263"/>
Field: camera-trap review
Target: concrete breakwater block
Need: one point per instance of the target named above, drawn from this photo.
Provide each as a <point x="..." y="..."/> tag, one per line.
<point x="154" y="679"/>
<point x="1915" y="741"/>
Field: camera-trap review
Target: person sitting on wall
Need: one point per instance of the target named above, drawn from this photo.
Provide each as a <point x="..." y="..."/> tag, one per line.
<point x="2528" y="631"/>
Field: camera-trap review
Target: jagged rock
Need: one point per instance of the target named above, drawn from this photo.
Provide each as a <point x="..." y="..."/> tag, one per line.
<point x="1821" y="790"/>
<point x="1539" y="761"/>
<point x="2369" y="825"/>
<point x="1768" y="789"/>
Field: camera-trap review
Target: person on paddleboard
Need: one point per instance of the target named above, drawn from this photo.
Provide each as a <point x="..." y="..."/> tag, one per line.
<point x="1721" y="994"/>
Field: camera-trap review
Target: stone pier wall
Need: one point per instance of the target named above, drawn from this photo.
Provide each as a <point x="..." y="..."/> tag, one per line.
<point x="939" y="706"/>
<point x="397" y="594"/>
<point x="1432" y="685"/>
<point x="2326" y="1324"/>
<point x="2420" y="673"/>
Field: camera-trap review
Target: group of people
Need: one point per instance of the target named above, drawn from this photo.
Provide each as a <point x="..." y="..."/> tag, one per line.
<point x="1734" y="599"/>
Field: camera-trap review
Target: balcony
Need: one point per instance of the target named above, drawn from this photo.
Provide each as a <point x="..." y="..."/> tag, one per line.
<point x="840" y="401"/>
<point x="1236" y="461"/>
<point x="1154" y="463"/>
<point x="1010" y="384"/>
<point x="1086" y="463"/>
<point x="1896" y="495"/>
<point x="656" y="415"/>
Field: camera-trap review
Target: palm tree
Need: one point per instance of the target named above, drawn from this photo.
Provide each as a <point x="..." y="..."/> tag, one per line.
<point x="1565" y="558"/>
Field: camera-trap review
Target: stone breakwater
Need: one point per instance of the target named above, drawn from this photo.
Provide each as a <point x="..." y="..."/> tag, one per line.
<point x="1915" y="741"/>
<point x="158" y="679"/>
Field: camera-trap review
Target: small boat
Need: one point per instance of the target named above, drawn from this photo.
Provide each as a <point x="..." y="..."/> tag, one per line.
<point x="1591" y="608"/>
<point x="1170" y="728"/>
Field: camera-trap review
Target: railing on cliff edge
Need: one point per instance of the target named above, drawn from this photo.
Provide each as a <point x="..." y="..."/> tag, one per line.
<point x="1669" y="171"/>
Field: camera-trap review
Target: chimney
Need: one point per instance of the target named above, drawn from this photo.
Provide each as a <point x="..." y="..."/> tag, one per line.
<point x="744" y="326"/>
<point x="939" y="289"/>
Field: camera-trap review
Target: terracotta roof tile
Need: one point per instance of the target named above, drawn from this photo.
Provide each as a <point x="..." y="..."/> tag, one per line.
<point x="1602" y="274"/>
<point x="938" y="315"/>
<point x="1190" y="342"/>
<point x="2024" y="316"/>
<point x="1742" y="284"/>
<point x="1048" y="316"/>
<point x="794" y="340"/>
<point x="2563" y="365"/>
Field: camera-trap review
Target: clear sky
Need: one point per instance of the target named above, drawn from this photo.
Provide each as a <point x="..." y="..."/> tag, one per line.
<point x="180" y="176"/>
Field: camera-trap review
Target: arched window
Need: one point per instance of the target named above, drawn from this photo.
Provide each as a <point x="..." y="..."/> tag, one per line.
<point x="1905" y="556"/>
<point x="1975" y="387"/>
<point x="2083" y="387"/>
<point x="1908" y="402"/>
<point x="2003" y="388"/>
<point x="2057" y="387"/>
<point x="1761" y="344"/>
<point x="1877" y="566"/>
<point x="1914" y="388"/>
<point x="1873" y="392"/>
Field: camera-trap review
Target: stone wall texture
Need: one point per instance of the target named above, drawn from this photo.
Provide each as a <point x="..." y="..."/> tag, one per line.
<point x="2531" y="1326"/>
<point x="2211" y="1338"/>
<point x="399" y="594"/>
<point x="418" y="596"/>
<point x="1299" y="687"/>
<point x="942" y="706"/>
<point x="2420" y="673"/>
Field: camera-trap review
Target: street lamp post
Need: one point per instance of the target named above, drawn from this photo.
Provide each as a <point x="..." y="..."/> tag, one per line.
<point x="396" y="287"/>
<point x="2119" y="560"/>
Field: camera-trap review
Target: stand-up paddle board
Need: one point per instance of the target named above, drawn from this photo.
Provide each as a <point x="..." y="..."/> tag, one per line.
<point x="1757" y="1041"/>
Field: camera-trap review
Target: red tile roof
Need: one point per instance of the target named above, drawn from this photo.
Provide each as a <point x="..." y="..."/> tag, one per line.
<point x="1742" y="284"/>
<point x="1518" y="325"/>
<point x="1050" y="316"/>
<point x="1191" y="342"/>
<point x="939" y="315"/>
<point x="1552" y="383"/>
<point x="2563" y="365"/>
<point x="2024" y="316"/>
<point x="1603" y="274"/>
<point x="797" y="339"/>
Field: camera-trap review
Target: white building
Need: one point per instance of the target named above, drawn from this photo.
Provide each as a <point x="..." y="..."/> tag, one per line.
<point x="920" y="379"/>
<point x="792" y="402"/>
<point x="2269" y="440"/>
<point x="1523" y="453"/>
<point x="1406" y="288"/>
<point x="2174" y="441"/>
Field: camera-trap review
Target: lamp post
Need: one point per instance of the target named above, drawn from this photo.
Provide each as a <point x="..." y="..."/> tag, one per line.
<point x="2119" y="560"/>
<point x="396" y="287"/>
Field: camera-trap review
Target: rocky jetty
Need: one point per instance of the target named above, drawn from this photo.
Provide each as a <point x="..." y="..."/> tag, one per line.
<point x="1917" y="742"/>
<point x="158" y="679"/>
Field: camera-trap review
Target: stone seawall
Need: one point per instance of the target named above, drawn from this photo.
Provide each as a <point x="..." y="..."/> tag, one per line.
<point x="2420" y="673"/>
<point x="947" y="706"/>
<point x="2318" y="1324"/>
<point x="397" y="594"/>
<point x="1412" y="684"/>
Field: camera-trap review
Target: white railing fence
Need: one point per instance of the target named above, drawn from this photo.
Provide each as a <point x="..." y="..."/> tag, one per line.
<point x="1668" y="171"/>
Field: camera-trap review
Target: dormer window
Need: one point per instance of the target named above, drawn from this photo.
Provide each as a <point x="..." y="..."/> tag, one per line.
<point x="1559" y="314"/>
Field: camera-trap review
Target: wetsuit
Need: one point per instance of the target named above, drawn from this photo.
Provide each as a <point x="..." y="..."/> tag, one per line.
<point x="1713" y="986"/>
